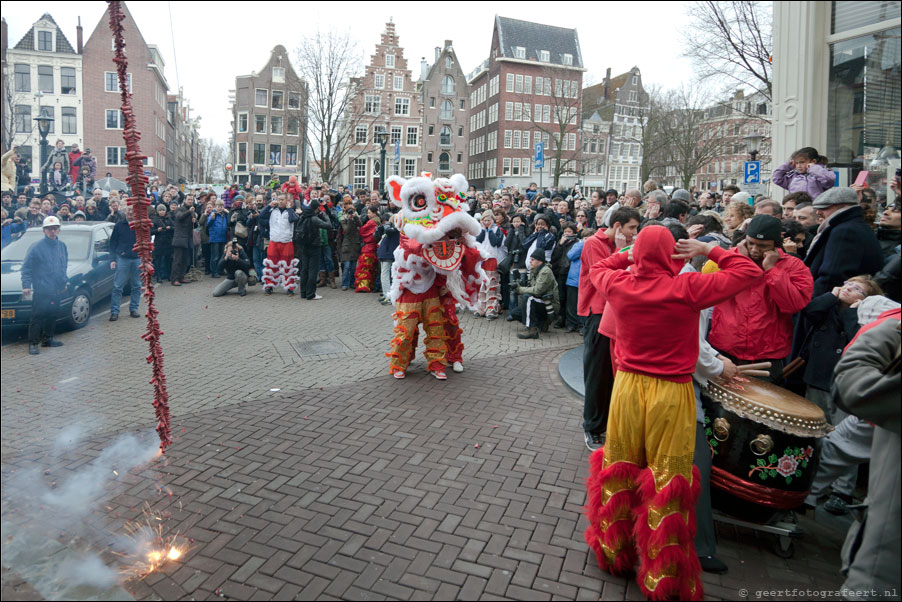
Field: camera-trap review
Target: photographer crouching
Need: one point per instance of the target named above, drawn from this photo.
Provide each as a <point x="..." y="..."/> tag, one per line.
<point x="539" y="300"/>
<point x="235" y="265"/>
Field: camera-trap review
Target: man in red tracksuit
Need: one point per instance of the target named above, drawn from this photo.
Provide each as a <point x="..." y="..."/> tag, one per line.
<point x="598" y="374"/>
<point x="642" y="487"/>
<point x="756" y="325"/>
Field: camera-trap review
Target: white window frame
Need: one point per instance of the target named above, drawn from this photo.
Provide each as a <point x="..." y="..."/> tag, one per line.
<point x="509" y="83"/>
<point x="544" y="56"/>
<point x="413" y="133"/>
<point x="246" y="123"/>
<point x="519" y="52"/>
<point x="410" y="168"/>
<point x="390" y="61"/>
<point x="567" y="59"/>
<point x="508" y="135"/>
<point x="357" y="131"/>
<point x="120" y="119"/>
<point x="375" y="100"/>
<point x="506" y="167"/>
<point x="379" y="81"/>
<point x="398" y="83"/>
<point x="128" y="79"/>
<point x="265" y="105"/>
<point x="403" y="103"/>
<point x="278" y="75"/>
<point x="272" y="96"/>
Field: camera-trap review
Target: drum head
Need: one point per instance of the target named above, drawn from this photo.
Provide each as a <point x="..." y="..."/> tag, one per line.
<point x="771" y="405"/>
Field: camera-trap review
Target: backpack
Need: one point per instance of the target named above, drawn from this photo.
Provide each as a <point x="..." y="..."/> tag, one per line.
<point x="307" y="232"/>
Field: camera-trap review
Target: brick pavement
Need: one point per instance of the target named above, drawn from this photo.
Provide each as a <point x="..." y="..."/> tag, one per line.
<point x="347" y="484"/>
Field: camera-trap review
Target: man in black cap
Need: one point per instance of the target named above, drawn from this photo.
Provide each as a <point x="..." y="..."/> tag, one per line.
<point x="537" y="298"/>
<point x="756" y="325"/>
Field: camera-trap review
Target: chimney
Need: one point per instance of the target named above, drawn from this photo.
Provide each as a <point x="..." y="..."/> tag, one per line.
<point x="607" y="82"/>
<point x="3" y="34"/>
<point x="79" y="38"/>
<point x="447" y="43"/>
<point x="438" y="53"/>
<point x="424" y="68"/>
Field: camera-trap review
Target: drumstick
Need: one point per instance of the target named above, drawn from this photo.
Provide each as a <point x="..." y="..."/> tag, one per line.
<point x="758" y="366"/>
<point x="755" y="373"/>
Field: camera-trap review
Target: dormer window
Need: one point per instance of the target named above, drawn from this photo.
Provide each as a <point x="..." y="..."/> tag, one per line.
<point x="568" y="59"/>
<point x="544" y="56"/>
<point x="390" y="61"/>
<point x="45" y="41"/>
<point x="519" y="52"/>
<point x="278" y="75"/>
<point x="635" y="80"/>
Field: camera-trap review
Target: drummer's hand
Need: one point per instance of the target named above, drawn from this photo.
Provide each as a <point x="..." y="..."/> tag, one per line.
<point x="730" y="371"/>
<point x="770" y="259"/>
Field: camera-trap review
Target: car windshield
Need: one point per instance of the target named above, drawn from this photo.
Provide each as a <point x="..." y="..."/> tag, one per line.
<point x="78" y="243"/>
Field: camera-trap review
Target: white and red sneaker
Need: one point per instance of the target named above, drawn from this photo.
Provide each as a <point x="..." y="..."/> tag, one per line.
<point x="440" y="374"/>
<point x="399" y="374"/>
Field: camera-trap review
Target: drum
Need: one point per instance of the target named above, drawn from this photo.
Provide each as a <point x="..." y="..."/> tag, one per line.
<point x="764" y="442"/>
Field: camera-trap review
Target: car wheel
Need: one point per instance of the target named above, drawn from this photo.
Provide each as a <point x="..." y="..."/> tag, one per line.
<point x="80" y="311"/>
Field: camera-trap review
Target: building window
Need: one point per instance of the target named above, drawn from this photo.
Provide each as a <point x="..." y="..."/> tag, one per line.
<point x="379" y="81"/>
<point x="447" y="110"/>
<point x="429" y="157"/>
<point x="23" y="78"/>
<point x="115" y="155"/>
<point x="410" y="168"/>
<point x="568" y="59"/>
<point x="275" y="154"/>
<point x="278" y="75"/>
<point x="293" y="126"/>
<point x="259" y="153"/>
<point x="413" y="134"/>
<point x="242" y="152"/>
<point x="432" y="130"/>
<point x="111" y="81"/>
<point x="635" y="80"/>
<point x="460" y="157"/>
<point x="359" y="173"/>
<point x="291" y="154"/>
<point x="390" y="61"/>
<point x="67" y="80"/>
<point x="509" y="83"/>
<point x="48" y="112"/>
<point x="45" y="78"/>
<point x="372" y="104"/>
<point x="506" y="167"/>
<point x="395" y="134"/>
<point x="259" y="124"/>
<point x="507" y="138"/>
<point x="114" y="119"/>
<point x="460" y="131"/>
<point x="261" y="97"/>
<point x="360" y="134"/>
<point x="277" y="96"/>
<point x="70" y="121"/>
<point x="45" y="41"/>
<point x="444" y="162"/>
<point x="432" y="102"/>
<point x="23" y="119"/>
<point x="294" y="100"/>
<point x="447" y="85"/>
<point x="519" y="52"/>
<point x="242" y="123"/>
<point x="544" y="56"/>
<point x="444" y="138"/>
<point x="402" y="107"/>
<point x="275" y="125"/>
<point x="399" y="82"/>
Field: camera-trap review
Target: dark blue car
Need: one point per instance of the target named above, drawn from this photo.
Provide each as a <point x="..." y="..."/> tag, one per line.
<point x="90" y="276"/>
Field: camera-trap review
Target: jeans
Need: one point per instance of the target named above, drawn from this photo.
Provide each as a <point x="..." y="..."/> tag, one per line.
<point x="259" y="254"/>
<point x="216" y="251"/>
<point x="44" y="312"/>
<point x="309" y="271"/>
<point x="127" y="271"/>
<point x="385" y="275"/>
<point x="325" y="259"/>
<point x="228" y="284"/>
<point x="347" y="273"/>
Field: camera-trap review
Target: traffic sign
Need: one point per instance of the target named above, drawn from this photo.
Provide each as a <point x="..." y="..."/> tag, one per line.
<point x="540" y="155"/>
<point x="752" y="172"/>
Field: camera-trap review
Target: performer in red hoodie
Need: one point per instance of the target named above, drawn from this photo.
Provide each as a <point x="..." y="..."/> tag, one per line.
<point x="642" y="486"/>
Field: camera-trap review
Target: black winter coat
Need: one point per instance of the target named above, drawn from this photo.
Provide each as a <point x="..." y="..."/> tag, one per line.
<point x="162" y="237"/>
<point x="183" y="236"/>
<point x="847" y="247"/>
<point x="830" y="329"/>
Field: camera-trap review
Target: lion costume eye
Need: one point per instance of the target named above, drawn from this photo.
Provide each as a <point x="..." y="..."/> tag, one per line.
<point x="418" y="202"/>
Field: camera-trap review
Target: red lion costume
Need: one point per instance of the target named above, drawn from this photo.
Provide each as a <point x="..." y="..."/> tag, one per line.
<point x="436" y="266"/>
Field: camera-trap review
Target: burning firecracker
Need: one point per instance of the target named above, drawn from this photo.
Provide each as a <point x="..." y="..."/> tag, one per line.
<point x="151" y="549"/>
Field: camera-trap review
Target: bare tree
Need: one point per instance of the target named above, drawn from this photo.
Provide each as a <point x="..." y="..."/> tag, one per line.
<point x="213" y="159"/>
<point x="329" y="62"/>
<point x="558" y="126"/>
<point x="731" y="43"/>
<point x="686" y="136"/>
<point x="11" y="99"/>
<point x="655" y="155"/>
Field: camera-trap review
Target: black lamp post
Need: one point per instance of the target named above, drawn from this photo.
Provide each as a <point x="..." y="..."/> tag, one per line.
<point x="383" y="138"/>
<point x="753" y="143"/>
<point x="44" y="123"/>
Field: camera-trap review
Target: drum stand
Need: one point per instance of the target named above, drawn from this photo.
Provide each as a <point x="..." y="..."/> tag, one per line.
<point x="785" y="526"/>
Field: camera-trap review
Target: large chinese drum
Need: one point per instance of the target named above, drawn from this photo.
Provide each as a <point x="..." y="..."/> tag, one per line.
<point x="764" y="442"/>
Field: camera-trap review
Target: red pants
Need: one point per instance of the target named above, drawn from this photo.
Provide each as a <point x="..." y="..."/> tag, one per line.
<point x="280" y="268"/>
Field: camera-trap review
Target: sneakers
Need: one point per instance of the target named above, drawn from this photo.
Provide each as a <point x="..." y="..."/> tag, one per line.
<point x="530" y="333"/>
<point x="316" y="297"/>
<point x="439" y="374"/>
<point x="134" y="314"/>
<point x="712" y="564"/>
<point x="457" y="367"/>
<point x="399" y="374"/>
<point x="290" y="293"/>
<point x="836" y="504"/>
<point x="33" y="349"/>
<point x="491" y="316"/>
<point x="114" y="317"/>
<point x="267" y="290"/>
<point x="594" y="440"/>
<point x="51" y="343"/>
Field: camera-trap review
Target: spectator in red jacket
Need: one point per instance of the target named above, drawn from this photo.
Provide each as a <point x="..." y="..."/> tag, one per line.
<point x="74" y="153"/>
<point x="756" y="325"/>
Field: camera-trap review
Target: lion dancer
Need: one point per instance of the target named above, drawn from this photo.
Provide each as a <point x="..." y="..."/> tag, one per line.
<point x="436" y="266"/>
<point x="642" y="487"/>
<point x="280" y="268"/>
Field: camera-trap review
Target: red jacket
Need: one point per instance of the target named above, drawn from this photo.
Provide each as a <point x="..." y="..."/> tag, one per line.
<point x="597" y="247"/>
<point x="757" y="323"/>
<point x="657" y="307"/>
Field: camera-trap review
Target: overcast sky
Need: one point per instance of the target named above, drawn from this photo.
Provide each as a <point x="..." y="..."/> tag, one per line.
<point x="214" y="42"/>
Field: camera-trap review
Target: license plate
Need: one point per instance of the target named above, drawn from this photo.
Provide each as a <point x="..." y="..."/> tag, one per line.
<point x="7" y="314"/>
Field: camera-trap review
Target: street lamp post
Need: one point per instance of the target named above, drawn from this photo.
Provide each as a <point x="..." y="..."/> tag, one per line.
<point x="383" y="138"/>
<point x="753" y="143"/>
<point x="44" y="123"/>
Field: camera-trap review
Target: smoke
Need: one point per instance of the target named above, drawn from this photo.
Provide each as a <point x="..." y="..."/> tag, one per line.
<point x="89" y="570"/>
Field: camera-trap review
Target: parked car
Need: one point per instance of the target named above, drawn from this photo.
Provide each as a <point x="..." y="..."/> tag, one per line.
<point x="90" y="276"/>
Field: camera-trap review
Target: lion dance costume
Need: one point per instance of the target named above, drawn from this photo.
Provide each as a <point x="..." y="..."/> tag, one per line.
<point x="436" y="266"/>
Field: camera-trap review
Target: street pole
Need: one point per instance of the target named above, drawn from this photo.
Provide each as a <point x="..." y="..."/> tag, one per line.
<point x="383" y="137"/>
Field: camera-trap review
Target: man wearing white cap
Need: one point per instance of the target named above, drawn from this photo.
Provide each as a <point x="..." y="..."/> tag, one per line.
<point x="44" y="274"/>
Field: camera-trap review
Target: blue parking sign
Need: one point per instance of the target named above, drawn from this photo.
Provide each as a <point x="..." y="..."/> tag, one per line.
<point x="540" y="155"/>
<point x="752" y="172"/>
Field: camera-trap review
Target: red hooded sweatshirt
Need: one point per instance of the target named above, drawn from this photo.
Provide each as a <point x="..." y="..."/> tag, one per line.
<point x="657" y="307"/>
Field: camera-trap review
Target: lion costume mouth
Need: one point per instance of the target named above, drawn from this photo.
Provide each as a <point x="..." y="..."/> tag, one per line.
<point x="445" y="254"/>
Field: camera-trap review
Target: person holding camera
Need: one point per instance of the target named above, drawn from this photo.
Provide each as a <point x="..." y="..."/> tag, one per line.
<point x="308" y="243"/>
<point x="235" y="265"/>
<point x="348" y="241"/>
<point x="536" y="296"/>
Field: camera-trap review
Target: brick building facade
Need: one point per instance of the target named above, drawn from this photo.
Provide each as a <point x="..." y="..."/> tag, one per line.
<point x="269" y="123"/>
<point x="385" y="100"/>
<point x="102" y="117"/>
<point x="445" y="97"/>
<point x="526" y="92"/>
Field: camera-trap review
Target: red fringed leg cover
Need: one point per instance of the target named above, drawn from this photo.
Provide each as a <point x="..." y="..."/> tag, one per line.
<point x="664" y="532"/>
<point x="610" y="504"/>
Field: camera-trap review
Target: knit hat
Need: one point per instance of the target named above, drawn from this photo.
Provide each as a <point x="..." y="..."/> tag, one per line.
<point x="543" y="217"/>
<point x="237" y="198"/>
<point x="742" y="195"/>
<point x="836" y="196"/>
<point x="612" y="191"/>
<point x="765" y="227"/>
<point x="681" y="194"/>
<point x="871" y="307"/>
<point x="90" y="203"/>
<point x="538" y="254"/>
<point x="80" y="214"/>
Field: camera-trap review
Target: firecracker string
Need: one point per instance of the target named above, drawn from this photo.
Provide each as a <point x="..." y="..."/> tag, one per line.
<point x="141" y="224"/>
